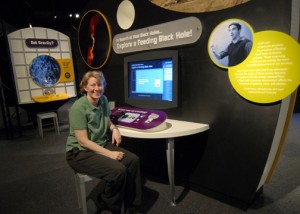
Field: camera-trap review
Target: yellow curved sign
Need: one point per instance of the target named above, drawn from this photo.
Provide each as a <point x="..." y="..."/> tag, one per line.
<point x="271" y="72"/>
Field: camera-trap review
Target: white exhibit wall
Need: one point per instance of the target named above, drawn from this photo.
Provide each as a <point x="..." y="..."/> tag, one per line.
<point x="22" y="56"/>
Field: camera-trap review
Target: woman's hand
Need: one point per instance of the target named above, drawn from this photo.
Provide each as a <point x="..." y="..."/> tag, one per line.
<point x="116" y="137"/>
<point x="116" y="155"/>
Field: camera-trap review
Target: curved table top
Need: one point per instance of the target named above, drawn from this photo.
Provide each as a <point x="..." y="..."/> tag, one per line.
<point x="174" y="128"/>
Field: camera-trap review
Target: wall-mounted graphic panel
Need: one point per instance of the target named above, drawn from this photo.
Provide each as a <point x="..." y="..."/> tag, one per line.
<point x="42" y="65"/>
<point x="230" y="43"/>
<point x="94" y="39"/>
<point x="45" y="71"/>
<point x="174" y="33"/>
<point x="196" y="6"/>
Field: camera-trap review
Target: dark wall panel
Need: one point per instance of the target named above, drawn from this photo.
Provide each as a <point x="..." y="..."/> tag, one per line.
<point x="241" y="132"/>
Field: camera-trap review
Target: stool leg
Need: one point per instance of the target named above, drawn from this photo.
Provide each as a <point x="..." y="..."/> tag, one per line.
<point x="40" y="127"/>
<point x="56" y="125"/>
<point x="81" y="193"/>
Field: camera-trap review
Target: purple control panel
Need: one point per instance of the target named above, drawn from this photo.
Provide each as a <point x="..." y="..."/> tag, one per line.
<point x="137" y="118"/>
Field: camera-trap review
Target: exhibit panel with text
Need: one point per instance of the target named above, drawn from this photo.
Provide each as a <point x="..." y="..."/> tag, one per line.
<point x="268" y="72"/>
<point x="42" y="65"/>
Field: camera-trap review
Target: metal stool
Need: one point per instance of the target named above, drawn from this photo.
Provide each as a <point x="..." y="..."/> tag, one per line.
<point x="80" y="180"/>
<point x="47" y="115"/>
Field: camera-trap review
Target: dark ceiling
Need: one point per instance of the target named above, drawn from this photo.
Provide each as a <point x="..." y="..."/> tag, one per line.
<point x="40" y="13"/>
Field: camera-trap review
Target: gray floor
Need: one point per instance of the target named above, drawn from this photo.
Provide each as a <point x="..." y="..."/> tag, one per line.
<point x="36" y="179"/>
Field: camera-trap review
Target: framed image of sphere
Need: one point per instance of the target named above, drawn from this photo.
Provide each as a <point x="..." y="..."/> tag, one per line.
<point x="45" y="71"/>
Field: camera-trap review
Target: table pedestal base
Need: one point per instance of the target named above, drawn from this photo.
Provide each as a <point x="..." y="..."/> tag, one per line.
<point x="170" y="163"/>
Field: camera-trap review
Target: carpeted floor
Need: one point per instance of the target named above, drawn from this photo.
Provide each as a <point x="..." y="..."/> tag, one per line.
<point x="35" y="179"/>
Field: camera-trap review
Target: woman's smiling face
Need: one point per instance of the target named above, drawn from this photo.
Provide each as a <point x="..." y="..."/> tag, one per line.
<point x="94" y="89"/>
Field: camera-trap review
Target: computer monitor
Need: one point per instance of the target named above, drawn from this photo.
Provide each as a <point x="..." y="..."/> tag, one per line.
<point x="151" y="79"/>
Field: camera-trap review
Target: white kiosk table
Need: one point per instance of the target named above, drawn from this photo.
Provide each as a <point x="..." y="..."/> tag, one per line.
<point x="175" y="128"/>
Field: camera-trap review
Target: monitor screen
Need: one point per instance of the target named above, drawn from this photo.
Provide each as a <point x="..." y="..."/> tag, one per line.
<point x="151" y="79"/>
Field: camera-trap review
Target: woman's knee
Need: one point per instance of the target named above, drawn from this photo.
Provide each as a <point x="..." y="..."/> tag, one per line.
<point x="119" y="172"/>
<point x="135" y="160"/>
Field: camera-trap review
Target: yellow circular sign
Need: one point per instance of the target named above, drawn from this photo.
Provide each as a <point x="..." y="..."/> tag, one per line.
<point x="271" y="72"/>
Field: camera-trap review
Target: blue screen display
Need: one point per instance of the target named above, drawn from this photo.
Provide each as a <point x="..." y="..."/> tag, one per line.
<point x="151" y="79"/>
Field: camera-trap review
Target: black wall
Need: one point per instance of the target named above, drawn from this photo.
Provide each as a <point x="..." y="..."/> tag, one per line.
<point x="230" y="165"/>
<point x="6" y="71"/>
